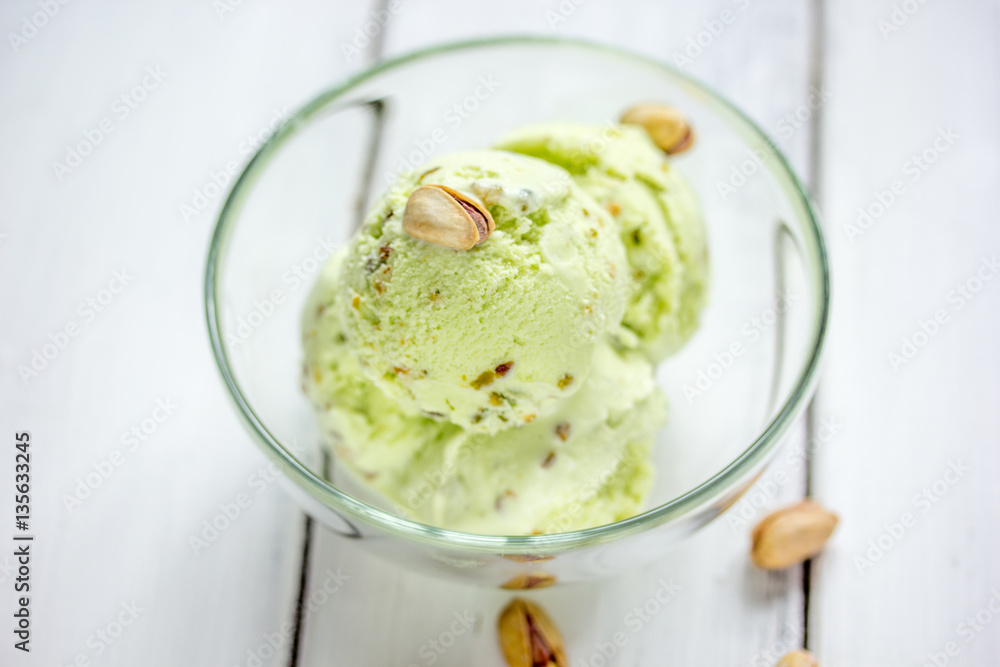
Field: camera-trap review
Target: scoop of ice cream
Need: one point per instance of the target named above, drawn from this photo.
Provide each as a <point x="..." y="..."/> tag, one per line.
<point x="498" y="334"/>
<point x="585" y="464"/>
<point x="507" y="387"/>
<point x="657" y="218"/>
<point x="367" y="429"/>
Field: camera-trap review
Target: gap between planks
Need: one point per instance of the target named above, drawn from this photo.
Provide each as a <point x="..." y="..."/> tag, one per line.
<point x="374" y="52"/>
<point x="815" y="177"/>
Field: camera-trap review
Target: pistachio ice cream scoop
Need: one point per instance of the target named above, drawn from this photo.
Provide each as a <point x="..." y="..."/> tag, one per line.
<point x="656" y="215"/>
<point x="496" y="334"/>
<point x="481" y="351"/>
<point x="582" y="465"/>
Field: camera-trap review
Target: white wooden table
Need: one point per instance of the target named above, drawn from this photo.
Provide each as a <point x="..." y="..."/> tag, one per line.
<point x="101" y="259"/>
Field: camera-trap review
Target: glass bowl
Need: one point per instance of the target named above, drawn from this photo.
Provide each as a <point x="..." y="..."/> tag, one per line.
<point x="735" y="388"/>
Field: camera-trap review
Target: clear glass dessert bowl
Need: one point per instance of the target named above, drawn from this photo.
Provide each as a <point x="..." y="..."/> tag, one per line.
<point x="735" y="389"/>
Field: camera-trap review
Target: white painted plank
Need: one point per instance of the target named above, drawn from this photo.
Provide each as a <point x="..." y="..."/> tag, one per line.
<point x="725" y="612"/>
<point x="722" y="612"/>
<point x="223" y="77"/>
<point x="895" y="96"/>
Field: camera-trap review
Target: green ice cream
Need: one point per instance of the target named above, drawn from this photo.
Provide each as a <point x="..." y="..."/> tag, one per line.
<point x="656" y="214"/>
<point x="584" y="465"/>
<point x="508" y="388"/>
<point x="496" y="335"/>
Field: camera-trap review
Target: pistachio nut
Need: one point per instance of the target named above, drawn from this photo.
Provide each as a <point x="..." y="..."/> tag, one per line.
<point x="440" y="215"/>
<point x="791" y="535"/>
<point x="527" y="558"/>
<point x="666" y="126"/>
<point x="529" y="580"/>
<point x="799" y="658"/>
<point x="528" y="637"/>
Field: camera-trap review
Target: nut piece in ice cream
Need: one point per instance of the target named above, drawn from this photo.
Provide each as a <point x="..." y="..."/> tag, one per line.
<point x="528" y="637"/>
<point x="791" y="535"/>
<point x="799" y="658"/>
<point x="667" y="127"/>
<point x="446" y="217"/>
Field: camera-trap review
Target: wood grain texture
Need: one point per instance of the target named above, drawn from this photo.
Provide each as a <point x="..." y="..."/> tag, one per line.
<point x="222" y="79"/>
<point x="879" y="435"/>
<point x="931" y="422"/>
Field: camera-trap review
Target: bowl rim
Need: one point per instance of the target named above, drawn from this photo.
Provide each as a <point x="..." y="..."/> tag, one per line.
<point x="678" y="508"/>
